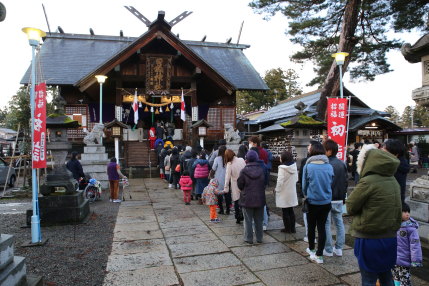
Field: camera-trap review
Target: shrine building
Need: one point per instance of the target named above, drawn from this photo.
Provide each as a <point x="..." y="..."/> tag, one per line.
<point x="157" y="66"/>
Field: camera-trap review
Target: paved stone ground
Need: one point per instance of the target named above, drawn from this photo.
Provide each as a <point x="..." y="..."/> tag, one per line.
<point x="160" y="241"/>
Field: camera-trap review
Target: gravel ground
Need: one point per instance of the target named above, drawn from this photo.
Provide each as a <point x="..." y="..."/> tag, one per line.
<point x="75" y="254"/>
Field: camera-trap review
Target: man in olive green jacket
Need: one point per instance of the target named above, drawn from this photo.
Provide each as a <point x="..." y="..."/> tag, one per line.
<point x="375" y="204"/>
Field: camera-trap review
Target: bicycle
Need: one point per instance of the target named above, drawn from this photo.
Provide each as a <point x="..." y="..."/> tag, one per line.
<point x="93" y="190"/>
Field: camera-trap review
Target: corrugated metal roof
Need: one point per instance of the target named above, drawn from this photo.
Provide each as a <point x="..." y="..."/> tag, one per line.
<point x="287" y="109"/>
<point x="7" y="130"/>
<point x="68" y="58"/>
<point x="271" y="128"/>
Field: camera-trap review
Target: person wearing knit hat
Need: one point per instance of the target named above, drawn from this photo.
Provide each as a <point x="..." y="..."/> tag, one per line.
<point x="251" y="182"/>
<point x="252" y="156"/>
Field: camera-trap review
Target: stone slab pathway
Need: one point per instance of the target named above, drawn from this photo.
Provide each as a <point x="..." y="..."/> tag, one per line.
<point x="158" y="240"/>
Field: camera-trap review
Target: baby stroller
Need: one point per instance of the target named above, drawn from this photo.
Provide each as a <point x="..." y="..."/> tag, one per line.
<point x="93" y="190"/>
<point x="125" y="184"/>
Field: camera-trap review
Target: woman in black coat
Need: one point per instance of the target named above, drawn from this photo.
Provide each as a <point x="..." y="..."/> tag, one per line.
<point x="174" y="161"/>
<point x="251" y="182"/>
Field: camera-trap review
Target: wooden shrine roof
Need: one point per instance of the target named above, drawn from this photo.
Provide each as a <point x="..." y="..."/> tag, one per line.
<point x="67" y="59"/>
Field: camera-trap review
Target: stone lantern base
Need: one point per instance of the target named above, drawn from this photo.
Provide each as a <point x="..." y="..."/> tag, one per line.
<point x="419" y="205"/>
<point x="61" y="209"/>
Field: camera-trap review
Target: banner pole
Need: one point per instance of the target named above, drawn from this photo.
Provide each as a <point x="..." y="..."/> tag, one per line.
<point x="347" y="128"/>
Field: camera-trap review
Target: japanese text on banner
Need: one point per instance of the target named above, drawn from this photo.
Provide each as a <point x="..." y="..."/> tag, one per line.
<point x="337" y="123"/>
<point x="39" y="139"/>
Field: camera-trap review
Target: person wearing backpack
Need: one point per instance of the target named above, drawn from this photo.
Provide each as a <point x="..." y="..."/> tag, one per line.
<point x="201" y="170"/>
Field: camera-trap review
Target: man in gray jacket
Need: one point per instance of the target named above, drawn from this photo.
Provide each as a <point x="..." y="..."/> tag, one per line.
<point x="339" y="191"/>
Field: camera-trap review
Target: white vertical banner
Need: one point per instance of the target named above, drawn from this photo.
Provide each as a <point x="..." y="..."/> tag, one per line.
<point x="194" y="113"/>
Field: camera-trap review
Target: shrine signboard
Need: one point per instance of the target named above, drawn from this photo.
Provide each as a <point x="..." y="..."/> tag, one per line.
<point x="337" y="123"/>
<point x="158" y="74"/>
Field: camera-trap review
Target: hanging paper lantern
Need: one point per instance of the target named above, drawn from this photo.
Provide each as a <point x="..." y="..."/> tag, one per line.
<point x="171" y="105"/>
<point x="156" y="111"/>
<point x="140" y="104"/>
<point x="151" y="109"/>
<point x="167" y="109"/>
<point x="160" y="110"/>
<point x="146" y="109"/>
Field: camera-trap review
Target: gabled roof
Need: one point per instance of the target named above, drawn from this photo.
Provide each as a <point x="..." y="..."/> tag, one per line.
<point x="67" y="58"/>
<point x="70" y="59"/>
<point x="286" y="109"/>
<point x="357" y="123"/>
<point x="230" y="61"/>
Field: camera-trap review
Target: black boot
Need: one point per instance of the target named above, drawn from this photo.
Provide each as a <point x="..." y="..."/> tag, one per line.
<point x="286" y="223"/>
<point x="292" y="224"/>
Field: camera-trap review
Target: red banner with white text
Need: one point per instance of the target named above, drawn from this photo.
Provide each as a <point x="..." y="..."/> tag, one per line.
<point x="39" y="139"/>
<point x="337" y="123"/>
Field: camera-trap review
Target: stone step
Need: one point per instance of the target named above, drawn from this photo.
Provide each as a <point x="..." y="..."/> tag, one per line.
<point x="104" y="185"/>
<point x="94" y="149"/>
<point x="6" y="250"/>
<point x="99" y="176"/>
<point x="15" y="273"/>
<point x="91" y="168"/>
<point x="94" y="157"/>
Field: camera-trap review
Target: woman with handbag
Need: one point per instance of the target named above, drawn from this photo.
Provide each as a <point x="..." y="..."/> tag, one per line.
<point x="218" y="169"/>
<point x="234" y="165"/>
<point x="316" y="185"/>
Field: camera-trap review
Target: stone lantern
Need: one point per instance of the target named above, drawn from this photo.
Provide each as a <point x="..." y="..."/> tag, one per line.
<point x="69" y="206"/>
<point x="302" y="129"/>
<point x="419" y="189"/>
<point x="419" y="53"/>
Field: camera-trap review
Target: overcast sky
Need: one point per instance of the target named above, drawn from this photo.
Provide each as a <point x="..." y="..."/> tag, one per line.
<point x="219" y="20"/>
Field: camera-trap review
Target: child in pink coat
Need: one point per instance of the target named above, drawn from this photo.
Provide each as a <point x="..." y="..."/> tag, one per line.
<point x="185" y="183"/>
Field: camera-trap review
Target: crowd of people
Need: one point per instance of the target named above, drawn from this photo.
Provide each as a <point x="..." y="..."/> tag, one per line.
<point x="386" y="237"/>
